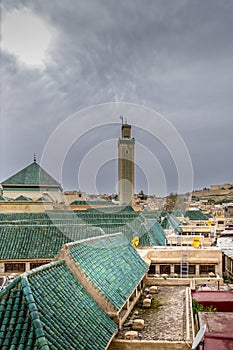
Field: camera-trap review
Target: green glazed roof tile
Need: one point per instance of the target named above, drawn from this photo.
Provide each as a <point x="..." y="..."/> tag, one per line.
<point x="66" y="317"/>
<point x="41" y="235"/>
<point x="23" y="198"/>
<point x="33" y="174"/>
<point x="111" y="264"/>
<point x="5" y="199"/>
<point x="196" y="215"/>
<point x="171" y="222"/>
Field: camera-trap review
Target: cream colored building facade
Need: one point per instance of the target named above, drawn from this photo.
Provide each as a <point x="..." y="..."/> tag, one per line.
<point x="195" y="262"/>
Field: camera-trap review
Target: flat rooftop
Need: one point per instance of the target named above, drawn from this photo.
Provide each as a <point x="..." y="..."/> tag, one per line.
<point x="219" y="330"/>
<point x="222" y="295"/>
<point x="165" y="322"/>
<point x="222" y="300"/>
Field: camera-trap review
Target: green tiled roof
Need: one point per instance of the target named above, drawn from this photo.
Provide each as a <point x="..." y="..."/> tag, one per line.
<point x="16" y="330"/>
<point x="92" y="202"/>
<point x="23" y="198"/>
<point x="21" y="242"/>
<point x="33" y="174"/>
<point x="165" y="223"/>
<point x="157" y="233"/>
<point x="178" y="213"/>
<point x="41" y="235"/>
<point x="32" y="242"/>
<point x="43" y="199"/>
<point x="113" y="209"/>
<point x="137" y="228"/>
<point x="47" y="308"/>
<point x="84" y="216"/>
<point x="171" y="222"/>
<point x="111" y="264"/>
<point x="196" y="215"/>
<point x="151" y="214"/>
<point x="149" y="231"/>
<point x="5" y="199"/>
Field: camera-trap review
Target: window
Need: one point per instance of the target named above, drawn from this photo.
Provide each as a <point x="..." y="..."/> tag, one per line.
<point x="192" y="269"/>
<point x="151" y="269"/>
<point x="34" y="265"/>
<point x="205" y="269"/>
<point x="16" y="267"/>
<point x="165" y="269"/>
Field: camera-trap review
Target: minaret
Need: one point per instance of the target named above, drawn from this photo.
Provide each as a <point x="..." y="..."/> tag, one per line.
<point x="126" y="165"/>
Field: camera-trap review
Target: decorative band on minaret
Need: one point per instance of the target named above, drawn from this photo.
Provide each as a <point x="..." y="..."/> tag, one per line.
<point x="126" y="165"/>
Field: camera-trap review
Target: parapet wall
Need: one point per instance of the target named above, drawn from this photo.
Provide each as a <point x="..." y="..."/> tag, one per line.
<point x="148" y="345"/>
<point x="183" y="281"/>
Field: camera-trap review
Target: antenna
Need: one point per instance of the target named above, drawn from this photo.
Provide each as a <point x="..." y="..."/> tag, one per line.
<point x="121" y="117"/>
<point x="198" y="338"/>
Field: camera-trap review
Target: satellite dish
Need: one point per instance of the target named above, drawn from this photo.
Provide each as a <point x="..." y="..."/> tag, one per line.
<point x="199" y="337"/>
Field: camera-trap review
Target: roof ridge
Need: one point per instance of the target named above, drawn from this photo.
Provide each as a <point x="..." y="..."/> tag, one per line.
<point x="34" y="315"/>
<point x="90" y="239"/>
<point x="41" y="268"/>
<point x="21" y="197"/>
<point x="32" y="174"/>
<point x="9" y="286"/>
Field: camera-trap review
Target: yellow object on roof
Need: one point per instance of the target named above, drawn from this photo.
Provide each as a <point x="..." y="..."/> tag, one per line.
<point x="135" y="242"/>
<point x="196" y="242"/>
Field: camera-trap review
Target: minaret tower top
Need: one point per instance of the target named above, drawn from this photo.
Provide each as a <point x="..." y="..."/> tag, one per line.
<point x="125" y="129"/>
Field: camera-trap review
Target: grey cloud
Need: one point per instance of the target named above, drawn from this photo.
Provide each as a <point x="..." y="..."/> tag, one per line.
<point x="174" y="56"/>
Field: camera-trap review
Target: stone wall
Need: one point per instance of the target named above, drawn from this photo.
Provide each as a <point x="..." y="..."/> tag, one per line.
<point x="196" y="256"/>
<point x="148" y="345"/>
<point x="24" y="207"/>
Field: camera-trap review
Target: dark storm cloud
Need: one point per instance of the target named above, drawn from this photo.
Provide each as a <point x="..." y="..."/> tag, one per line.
<point x="173" y="56"/>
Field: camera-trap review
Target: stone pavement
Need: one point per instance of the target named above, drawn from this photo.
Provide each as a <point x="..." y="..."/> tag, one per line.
<point x="167" y="321"/>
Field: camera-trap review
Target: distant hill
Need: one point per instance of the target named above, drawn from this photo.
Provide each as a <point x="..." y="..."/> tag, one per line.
<point x="216" y="193"/>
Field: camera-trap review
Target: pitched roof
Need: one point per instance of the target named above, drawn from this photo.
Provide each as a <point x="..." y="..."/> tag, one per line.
<point x="23" y="198"/>
<point x="20" y="241"/>
<point x="151" y="214"/>
<point x="196" y="215"/>
<point x="111" y="264"/>
<point x="171" y="222"/>
<point x="47" y="308"/>
<point x="149" y="231"/>
<point x="33" y="174"/>
<point x="41" y="235"/>
<point x="157" y="233"/>
<point x="43" y="199"/>
<point x="178" y="213"/>
<point x="92" y="202"/>
<point x="5" y="199"/>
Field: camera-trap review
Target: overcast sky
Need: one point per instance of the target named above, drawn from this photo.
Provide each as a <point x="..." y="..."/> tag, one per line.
<point x="175" y="57"/>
